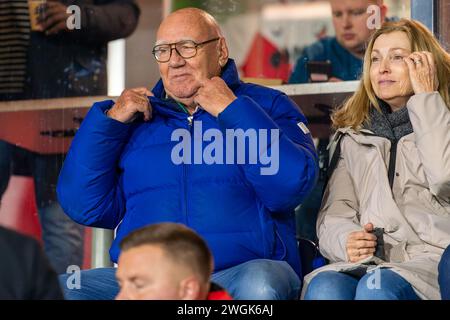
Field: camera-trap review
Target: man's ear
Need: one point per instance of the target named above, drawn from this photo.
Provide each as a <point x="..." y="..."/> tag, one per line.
<point x="223" y="52"/>
<point x="190" y="289"/>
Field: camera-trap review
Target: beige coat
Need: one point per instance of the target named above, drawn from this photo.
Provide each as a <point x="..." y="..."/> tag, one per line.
<point x="415" y="213"/>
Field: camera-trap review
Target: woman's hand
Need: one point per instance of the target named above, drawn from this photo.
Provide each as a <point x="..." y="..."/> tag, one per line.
<point x="422" y="72"/>
<point x="361" y="244"/>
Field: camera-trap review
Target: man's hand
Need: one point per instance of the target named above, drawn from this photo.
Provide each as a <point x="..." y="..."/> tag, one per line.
<point x="130" y="103"/>
<point x="422" y="72"/>
<point x="214" y="96"/>
<point x="334" y="79"/>
<point x="54" y="17"/>
<point x="361" y="244"/>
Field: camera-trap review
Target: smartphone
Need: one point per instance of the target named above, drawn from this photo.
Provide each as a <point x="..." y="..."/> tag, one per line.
<point x="379" y="253"/>
<point x="319" y="71"/>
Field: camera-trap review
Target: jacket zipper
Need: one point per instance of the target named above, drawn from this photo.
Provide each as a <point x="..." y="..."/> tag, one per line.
<point x="190" y="122"/>
<point x="392" y="158"/>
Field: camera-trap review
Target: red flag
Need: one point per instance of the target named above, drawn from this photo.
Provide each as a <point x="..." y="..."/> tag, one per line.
<point x="265" y="60"/>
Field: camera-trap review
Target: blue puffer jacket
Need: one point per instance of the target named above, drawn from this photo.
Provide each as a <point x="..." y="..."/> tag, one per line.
<point x="122" y="175"/>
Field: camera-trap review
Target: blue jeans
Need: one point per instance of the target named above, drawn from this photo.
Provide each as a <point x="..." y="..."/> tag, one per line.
<point x="256" y="279"/>
<point x="260" y="280"/>
<point x="63" y="238"/>
<point x="333" y="285"/>
<point x="444" y="274"/>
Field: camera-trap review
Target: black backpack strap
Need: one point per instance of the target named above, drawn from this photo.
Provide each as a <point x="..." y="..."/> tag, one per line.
<point x="333" y="162"/>
<point x="335" y="157"/>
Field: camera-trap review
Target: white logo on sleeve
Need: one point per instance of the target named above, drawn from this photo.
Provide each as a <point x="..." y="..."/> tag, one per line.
<point x="304" y="128"/>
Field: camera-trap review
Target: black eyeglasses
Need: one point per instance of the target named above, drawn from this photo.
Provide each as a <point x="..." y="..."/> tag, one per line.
<point x="186" y="49"/>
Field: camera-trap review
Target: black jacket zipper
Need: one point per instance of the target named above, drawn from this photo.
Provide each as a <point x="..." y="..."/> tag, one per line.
<point x="392" y="158"/>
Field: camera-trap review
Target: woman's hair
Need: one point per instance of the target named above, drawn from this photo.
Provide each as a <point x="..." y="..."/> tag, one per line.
<point x="356" y="109"/>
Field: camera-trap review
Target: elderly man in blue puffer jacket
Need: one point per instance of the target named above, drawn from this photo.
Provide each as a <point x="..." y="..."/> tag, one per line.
<point x="169" y="155"/>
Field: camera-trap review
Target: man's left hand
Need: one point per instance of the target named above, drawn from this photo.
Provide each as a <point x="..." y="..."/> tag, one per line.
<point x="54" y="18"/>
<point x="214" y="96"/>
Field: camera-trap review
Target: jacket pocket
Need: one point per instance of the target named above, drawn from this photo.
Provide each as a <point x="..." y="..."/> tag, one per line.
<point x="432" y="225"/>
<point x="439" y="208"/>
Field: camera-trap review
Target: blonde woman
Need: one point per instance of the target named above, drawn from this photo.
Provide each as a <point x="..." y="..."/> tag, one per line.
<point x="392" y="175"/>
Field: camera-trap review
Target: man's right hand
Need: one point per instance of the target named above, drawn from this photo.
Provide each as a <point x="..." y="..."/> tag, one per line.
<point x="334" y="79"/>
<point x="130" y="103"/>
<point x="361" y="244"/>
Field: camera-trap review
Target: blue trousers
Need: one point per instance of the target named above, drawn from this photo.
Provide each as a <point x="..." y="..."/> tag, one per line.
<point x="444" y="274"/>
<point x="333" y="285"/>
<point x="256" y="279"/>
<point x="63" y="238"/>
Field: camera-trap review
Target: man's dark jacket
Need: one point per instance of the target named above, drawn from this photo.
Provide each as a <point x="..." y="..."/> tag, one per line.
<point x="73" y="63"/>
<point x="25" y="273"/>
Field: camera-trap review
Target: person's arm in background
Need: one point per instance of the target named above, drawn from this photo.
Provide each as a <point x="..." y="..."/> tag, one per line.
<point x="100" y="23"/>
<point x="313" y="52"/>
<point x="300" y="73"/>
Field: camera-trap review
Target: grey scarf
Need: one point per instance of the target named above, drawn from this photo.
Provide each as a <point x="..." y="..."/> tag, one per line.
<point x="388" y="124"/>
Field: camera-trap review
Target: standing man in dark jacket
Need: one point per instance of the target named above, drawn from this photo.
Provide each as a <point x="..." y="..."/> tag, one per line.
<point x="56" y="61"/>
<point x="68" y="63"/>
<point x="173" y="157"/>
<point x="25" y="273"/>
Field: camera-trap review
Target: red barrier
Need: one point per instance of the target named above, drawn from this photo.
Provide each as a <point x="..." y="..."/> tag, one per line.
<point x="18" y="211"/>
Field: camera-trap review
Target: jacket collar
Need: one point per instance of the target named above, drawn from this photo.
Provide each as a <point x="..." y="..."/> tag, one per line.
<point x="349" y="130"/>
<point x="229" y="75"/>
<point x="363" y="136"/>
<point x="169" y="107"/>
<point x="389" y="124"/>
